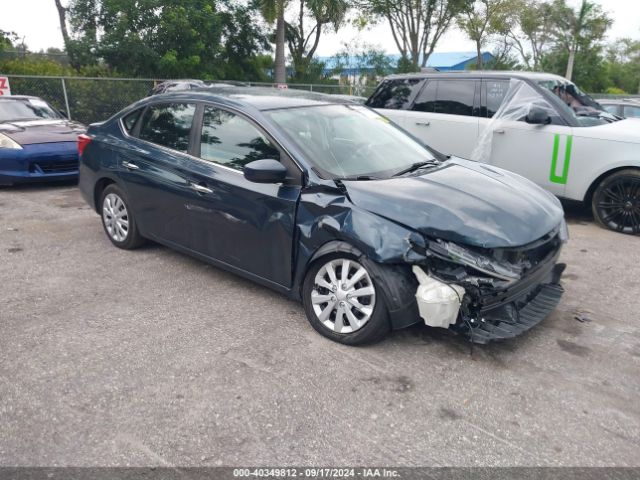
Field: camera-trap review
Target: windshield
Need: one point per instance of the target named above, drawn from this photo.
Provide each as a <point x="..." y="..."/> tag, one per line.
<point x="584" y="109"/>
<point x="25" y="109"/>
<point x="350" y="141"/>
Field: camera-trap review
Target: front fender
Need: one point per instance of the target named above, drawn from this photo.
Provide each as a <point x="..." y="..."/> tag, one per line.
<point x="328" y="222"/>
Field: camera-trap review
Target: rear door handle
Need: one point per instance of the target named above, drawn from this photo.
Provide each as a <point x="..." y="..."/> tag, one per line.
<point x="201" y="188"/>
<point x="130" y="166"/>
<point x="501" y="132"/>
<point x="423" y="124"/>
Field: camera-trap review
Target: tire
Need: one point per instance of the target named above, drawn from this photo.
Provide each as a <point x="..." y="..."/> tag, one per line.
<point x="616" y="202"/>
<point x="366" y="323"/>
<point x="117" y="219"/>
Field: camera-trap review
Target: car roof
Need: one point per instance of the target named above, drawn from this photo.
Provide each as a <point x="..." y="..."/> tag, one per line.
<point x="538" y="76"/>
<point x="261" y="98"/>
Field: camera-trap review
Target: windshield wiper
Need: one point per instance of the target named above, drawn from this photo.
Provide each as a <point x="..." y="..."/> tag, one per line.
<point x="415" y="166"/>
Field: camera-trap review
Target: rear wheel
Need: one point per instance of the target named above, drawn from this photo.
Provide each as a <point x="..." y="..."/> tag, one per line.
<point x="117" y="219"/>
<point x="616" y="202"/>
<point x="342" y="301"/>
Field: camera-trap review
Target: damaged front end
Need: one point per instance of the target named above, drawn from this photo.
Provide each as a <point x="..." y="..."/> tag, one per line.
<point x="489" y="294"/>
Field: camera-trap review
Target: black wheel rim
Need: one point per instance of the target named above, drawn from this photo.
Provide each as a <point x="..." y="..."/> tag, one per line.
<point x="618" y="205"/>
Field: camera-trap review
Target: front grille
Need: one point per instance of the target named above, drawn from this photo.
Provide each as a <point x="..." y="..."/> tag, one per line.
<point x="59" y="166"/>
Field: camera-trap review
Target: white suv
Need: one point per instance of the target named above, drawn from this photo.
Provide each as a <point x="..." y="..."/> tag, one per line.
<point x="521" y="121"/>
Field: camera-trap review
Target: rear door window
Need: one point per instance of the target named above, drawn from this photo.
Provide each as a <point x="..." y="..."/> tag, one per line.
<point x="455" y="97"/>
<point x="396" y="94"/>
<point x="168" y="125"/>
<point x="426" y="101"/>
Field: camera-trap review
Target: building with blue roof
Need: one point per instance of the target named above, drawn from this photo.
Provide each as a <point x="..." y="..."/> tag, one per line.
<point x="442" y="61"/>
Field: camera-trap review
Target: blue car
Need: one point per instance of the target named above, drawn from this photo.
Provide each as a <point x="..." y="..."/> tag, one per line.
<point x="36" y="142"/>
<point x="328" y="202"/>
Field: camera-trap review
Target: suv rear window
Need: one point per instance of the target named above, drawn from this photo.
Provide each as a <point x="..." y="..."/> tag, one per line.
<point x="395" y="94"/>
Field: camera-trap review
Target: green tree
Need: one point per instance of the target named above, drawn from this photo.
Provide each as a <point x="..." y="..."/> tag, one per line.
<point x="531" y="30"/>
<point x="166" y="38"/>
<point x="242" y="38"/>
<point x="623" y="65"/>
<point x="591" y="72"/>
<point x="273" y="11"/>
<point x="6" y="40"/>
<point x="302" y="40"/>
<point x="416" y="25"/>
<point x="172" y="38"/>
<point x="579" y="29"/>
<point x="483" y="19"/>
<point x="363" y="64"/>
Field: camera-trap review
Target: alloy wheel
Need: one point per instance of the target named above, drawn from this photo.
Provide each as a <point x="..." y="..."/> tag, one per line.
<point x="343" y="297"/>
<point x="618" y="205"/>
<point x="116" y="217"/>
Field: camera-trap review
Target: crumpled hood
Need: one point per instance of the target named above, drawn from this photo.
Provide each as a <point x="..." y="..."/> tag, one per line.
<point x="42" y="131"/>
<point x="462" y="201"/>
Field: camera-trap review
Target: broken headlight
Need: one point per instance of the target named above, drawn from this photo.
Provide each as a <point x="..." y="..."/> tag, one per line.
<point x="563" y="233"/>
<point x="477" y="261"/>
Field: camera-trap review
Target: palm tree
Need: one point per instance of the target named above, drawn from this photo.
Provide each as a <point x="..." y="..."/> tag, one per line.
<point x="589" y="23"/>
<point x="273" y="11"/>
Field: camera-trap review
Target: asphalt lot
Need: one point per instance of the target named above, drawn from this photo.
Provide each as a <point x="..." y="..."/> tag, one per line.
<point x="110" y="357"/>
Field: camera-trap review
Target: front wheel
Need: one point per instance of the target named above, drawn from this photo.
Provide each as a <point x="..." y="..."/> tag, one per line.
<point x="342" y="301"/>
<point x="616" y="202"/>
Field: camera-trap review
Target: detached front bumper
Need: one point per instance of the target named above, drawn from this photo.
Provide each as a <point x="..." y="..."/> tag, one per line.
<point x="39" y="162"/>
<point x="510" y="320"/>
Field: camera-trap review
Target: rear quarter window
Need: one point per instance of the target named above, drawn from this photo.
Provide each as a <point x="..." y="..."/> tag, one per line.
<point x="129" y="120"/>
<point x="397" y="94"/>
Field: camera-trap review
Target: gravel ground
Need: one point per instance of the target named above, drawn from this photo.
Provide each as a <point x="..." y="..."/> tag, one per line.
<point x="109" y="357"/>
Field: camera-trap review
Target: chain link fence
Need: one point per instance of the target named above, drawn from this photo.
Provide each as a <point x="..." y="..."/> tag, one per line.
<point x="88" y="100"/>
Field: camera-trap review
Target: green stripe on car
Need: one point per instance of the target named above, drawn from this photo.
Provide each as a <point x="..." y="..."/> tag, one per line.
<point x="554" y="160"/>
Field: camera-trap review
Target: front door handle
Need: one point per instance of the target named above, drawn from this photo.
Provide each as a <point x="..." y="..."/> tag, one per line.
<point x="130" y="166"/>
<point x="501" y="132"/>
<point x="423" y="124"/>
<point x="201" y="188"/>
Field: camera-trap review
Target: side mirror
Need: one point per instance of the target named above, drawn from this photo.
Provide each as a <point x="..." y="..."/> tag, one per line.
<point x="265" y="171"/>
<point x="537" y="116"/>
<point x="64" y="114"/>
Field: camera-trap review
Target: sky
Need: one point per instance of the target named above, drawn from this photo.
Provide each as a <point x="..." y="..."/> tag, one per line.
<point x="37" y="21"/>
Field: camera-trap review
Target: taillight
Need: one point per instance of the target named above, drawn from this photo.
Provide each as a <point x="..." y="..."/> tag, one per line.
<point x="83" y="141"/>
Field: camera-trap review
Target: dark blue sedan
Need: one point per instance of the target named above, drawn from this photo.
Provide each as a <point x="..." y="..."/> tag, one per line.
<point x="36" y="142"/>
<point x="328" y="202"/>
